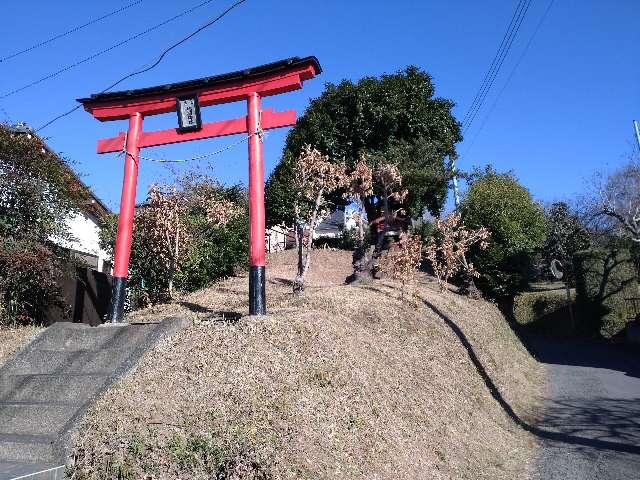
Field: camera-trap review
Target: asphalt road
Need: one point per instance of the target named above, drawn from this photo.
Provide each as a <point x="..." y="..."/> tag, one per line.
<point x="591" y="424"/>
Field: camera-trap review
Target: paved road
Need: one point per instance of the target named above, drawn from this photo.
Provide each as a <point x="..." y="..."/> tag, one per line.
<point x="591" y="426"/>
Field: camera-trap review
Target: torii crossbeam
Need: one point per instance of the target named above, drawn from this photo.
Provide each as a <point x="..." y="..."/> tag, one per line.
<point x="186" y="98"/>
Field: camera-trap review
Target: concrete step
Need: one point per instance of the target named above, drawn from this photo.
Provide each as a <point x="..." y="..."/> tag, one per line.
<point x="27" y="448"/>
<point x="46" y="388"/>
<point x="97" y="362"/>
<point x="33" y="471"/>
<point x="73" y="336"/>
<point x="35" y="419"/>
<point x="59" y="387"/>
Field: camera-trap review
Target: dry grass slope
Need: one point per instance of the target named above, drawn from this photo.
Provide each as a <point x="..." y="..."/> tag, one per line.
<point x="349" y="382"/>
<point x="13" y="339"/>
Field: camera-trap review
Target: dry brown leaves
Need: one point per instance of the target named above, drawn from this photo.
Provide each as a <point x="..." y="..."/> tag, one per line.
<point x="164" y="221"/>
<point x="315" y="173"/>
<point x="349" y="382"/>
<point x="390" y="180"/>
<point x="359" y="182"/>
<point x="447" y="253"/>
<point x="402" y="260"/>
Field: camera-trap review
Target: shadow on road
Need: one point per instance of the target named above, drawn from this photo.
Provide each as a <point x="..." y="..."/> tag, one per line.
<point x="607" y="422"/>
<point x="585" y="353"/>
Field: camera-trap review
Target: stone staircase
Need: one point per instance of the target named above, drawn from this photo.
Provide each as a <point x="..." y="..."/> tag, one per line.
<point x="47" y="387"/>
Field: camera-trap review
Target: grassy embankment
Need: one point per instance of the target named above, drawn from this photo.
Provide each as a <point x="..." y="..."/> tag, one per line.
<point x="348" y="382"/>
<point x="13" y="339"/>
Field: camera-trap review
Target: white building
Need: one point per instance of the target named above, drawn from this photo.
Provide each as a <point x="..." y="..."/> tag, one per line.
<point x="84" y="241"/>
<point x="279" y="238"/>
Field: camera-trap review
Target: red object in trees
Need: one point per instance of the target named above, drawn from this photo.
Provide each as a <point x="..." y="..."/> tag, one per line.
<point x="248" y="85"/>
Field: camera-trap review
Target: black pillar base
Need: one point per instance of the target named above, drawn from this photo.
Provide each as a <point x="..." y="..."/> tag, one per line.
<point x="257" y="298"/>
<point x="118" y="296"/>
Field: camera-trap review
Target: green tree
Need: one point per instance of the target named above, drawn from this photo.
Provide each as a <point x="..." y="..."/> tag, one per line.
<point x="37" y="188"/>
<point x="566" y="236"/>
<point x="394" y="118"/>
<point x="518" y="229"/>
<point x="37" y="193"/>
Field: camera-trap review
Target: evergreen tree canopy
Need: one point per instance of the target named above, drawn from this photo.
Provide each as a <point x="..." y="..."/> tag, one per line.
<point x="394" y="118"/>
<point x="518" y="228"/>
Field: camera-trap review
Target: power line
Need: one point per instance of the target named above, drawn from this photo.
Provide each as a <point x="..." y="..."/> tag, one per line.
<point x="68" y="32"/>
<point x="513" y="71"/>
<point x="496" y="63"/>
<point x="493" y="62"/>
<point x="154" y="64"/>
<point x="106" y="50"/>
<point x="501" y="54"/>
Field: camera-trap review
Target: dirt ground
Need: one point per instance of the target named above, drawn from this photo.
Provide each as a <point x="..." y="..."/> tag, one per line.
<point x="349" y="382"/>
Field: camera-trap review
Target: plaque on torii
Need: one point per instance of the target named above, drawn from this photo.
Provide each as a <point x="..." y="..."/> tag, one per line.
<point x="186" y="98"/>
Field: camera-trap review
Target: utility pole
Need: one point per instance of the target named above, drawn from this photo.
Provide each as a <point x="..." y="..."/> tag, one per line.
<point x="635" y="124"/>
<point x="456" y="194"/>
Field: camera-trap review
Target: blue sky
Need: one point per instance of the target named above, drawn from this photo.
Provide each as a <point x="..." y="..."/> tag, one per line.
<point x="566" y="112"/>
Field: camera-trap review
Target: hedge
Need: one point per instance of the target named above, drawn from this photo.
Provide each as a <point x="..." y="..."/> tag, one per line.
<point x="604" y="278"/>
<point x="545" y="312"/>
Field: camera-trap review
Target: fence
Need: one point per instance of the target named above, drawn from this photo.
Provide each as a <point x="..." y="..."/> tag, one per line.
<point x="86" y="298"/>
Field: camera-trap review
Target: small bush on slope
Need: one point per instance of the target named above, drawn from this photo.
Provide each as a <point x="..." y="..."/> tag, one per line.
<point x="349" y="382"/>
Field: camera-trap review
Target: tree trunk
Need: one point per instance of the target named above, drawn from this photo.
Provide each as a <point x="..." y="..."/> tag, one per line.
<point x="298" y="283"/>
<point x="363" y="262"/>
<point x="469" y="287"/>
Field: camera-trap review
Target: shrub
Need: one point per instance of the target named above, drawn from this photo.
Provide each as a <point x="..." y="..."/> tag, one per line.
<point x="545" y="312"/>
<point x="518" y="228"/>
<point x="28" y="280"/>
<point x="213" y="249"/>
<point x="38" y="191"/>
<point x="402" y="260"/>
<point x="219" y="252"/>
<point x="604" y="278"/>
<point x="448" y="248"/>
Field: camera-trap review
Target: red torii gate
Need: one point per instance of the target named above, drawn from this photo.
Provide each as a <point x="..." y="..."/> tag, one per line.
<point x="186" y="98"/>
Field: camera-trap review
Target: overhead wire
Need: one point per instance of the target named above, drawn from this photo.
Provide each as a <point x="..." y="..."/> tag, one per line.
<point x="493" y="62"/>
<point x="511" y="74"/>
<point x="102" y="52"/>
<point x="68" y="32"/>
<point x="501" y="55"/>
<point x="499" y="66"/>
<point x="154" y="64"/>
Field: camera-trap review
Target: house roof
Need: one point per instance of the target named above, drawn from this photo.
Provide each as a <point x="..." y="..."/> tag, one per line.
<point x="94" y="206"/>
<point x="210" y="81"/>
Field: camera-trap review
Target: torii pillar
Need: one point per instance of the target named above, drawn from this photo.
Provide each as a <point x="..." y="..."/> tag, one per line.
<point x="186" y="98"/>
